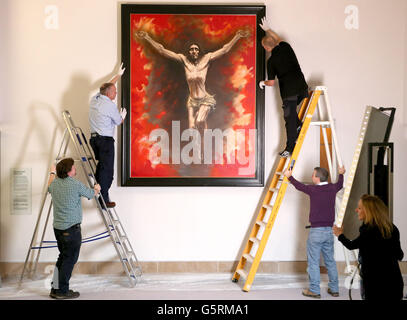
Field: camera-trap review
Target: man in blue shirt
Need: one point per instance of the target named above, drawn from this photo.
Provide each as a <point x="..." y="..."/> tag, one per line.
<point x="66" y="195"/>
<point x="103" y="118"/>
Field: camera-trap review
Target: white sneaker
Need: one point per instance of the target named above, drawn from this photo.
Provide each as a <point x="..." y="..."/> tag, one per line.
<point x="285" y="154"/>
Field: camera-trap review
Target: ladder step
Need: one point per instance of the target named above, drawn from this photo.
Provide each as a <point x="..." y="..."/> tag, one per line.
<point x="242" y="273"/>
<point x="273" y="189"/>
<point x="279" y="173"/>
<point x="248" y="257"/>
<point x="319" y="123"/>
<point x="129" y="253"/>
<point x="267" y="206"/>
<point x="254" y="240"/>
<point x="261" y="223"/>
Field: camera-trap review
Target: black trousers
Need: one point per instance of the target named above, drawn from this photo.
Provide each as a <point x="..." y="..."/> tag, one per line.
<point x="291" y="119"/>
<point x="69" y="245"/>
<point x="103" y="148"/>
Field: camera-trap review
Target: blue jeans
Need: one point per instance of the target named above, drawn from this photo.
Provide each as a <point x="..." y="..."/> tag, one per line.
<point x="321" y="240"/>
<point x="69" y="244"/>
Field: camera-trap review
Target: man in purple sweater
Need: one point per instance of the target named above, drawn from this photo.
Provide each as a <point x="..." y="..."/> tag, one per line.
<point x="320" y="239"/>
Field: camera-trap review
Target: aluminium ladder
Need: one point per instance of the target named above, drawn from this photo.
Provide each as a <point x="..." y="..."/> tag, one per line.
<point x="276" y="189"/>
<point x="109" y="216"/>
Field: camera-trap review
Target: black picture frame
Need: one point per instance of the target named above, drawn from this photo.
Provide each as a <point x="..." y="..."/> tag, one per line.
<point x="127" y="10"/>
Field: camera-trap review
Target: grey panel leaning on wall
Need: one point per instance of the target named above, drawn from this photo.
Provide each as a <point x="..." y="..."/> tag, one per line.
<point x="373" y="129"/>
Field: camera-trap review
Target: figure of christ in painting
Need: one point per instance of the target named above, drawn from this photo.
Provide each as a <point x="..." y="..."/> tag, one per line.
<point x="200" y="103"/>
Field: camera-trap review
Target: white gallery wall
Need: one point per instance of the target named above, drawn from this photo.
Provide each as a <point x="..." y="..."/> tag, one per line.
<point x="50" y="65"/>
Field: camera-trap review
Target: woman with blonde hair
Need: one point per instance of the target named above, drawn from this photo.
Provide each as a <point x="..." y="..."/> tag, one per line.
<point x="379" y="250"/>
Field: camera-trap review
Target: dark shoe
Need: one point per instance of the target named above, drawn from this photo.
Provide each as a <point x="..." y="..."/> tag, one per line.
<point x="333" y="294"/>
<point x="68" y="295"/>
<point x="52" y="293"/>
<point x="310" y="294"/>
<point x="110" y="204"/>
<point x="285" y="154"/>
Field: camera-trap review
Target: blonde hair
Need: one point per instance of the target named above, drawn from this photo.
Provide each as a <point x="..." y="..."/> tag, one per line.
<point x="268" y="41"/>
<point x="377" y="214"/>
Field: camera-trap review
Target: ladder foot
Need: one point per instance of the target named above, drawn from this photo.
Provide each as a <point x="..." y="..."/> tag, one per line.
<point x="235" y="280"/>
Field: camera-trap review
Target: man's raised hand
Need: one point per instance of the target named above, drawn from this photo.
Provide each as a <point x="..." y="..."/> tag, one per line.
<point x="264" y="24"/>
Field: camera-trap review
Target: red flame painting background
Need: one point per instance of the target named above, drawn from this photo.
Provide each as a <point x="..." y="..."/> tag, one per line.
<point x="159" y="90"/>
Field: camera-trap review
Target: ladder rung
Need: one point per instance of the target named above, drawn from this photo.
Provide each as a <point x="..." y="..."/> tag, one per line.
<point x="261" y="223"/>
<point x="273" y="189"/>
<point x="279" y="173"/>
<point x="254" y="240"/>
<point x="129" y="253"/>
<point x="320" y="123"/>
<point x="267" y="206"/>
<point x="248" y="257"/>
<point x="242" y="273"/>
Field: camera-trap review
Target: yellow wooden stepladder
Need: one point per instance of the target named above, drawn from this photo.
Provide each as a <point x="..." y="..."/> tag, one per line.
<point x="306" y="113"/>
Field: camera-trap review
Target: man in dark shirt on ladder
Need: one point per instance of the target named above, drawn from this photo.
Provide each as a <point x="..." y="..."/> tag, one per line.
<point x="283" y="63"/>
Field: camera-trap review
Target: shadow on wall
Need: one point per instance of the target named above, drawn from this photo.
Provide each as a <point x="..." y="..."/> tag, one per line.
<point x="77" y="96"/>
<point x="38" y="130"/>
<point x="314" y="80"/>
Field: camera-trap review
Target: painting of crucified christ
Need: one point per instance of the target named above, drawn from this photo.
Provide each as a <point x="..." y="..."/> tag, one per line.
<point x="192" y="97"/>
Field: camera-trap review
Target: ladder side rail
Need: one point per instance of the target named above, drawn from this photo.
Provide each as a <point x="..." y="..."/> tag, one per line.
<point x="307" y="102"/>
<point x="265" y="236"/>
<point x="334" y="163"/>
<point x="113" y="236"/>
<point x="327" y="152"/>
<point x="336" y="156"/>
<point x="260" y="216"/>
<point x="83" y="158"/>
<point x="325" y="138"/>
<point x="84" y="148"/>
<point x="122" y="230"/>
<point x="42" y="238"/>
<point x="34" y="235"/>
<point x="334" y="137"/>
<point x="116" y="239"/>
<point x="88" y="150"/>
<point x="62" y="144"/>
<point x="65" y="141"/>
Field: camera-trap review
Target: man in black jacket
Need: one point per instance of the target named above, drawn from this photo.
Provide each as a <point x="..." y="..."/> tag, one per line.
<point x="283" y="63"/>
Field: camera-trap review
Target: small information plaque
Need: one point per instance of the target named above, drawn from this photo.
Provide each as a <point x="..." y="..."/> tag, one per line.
<point x="21" y="191"/>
